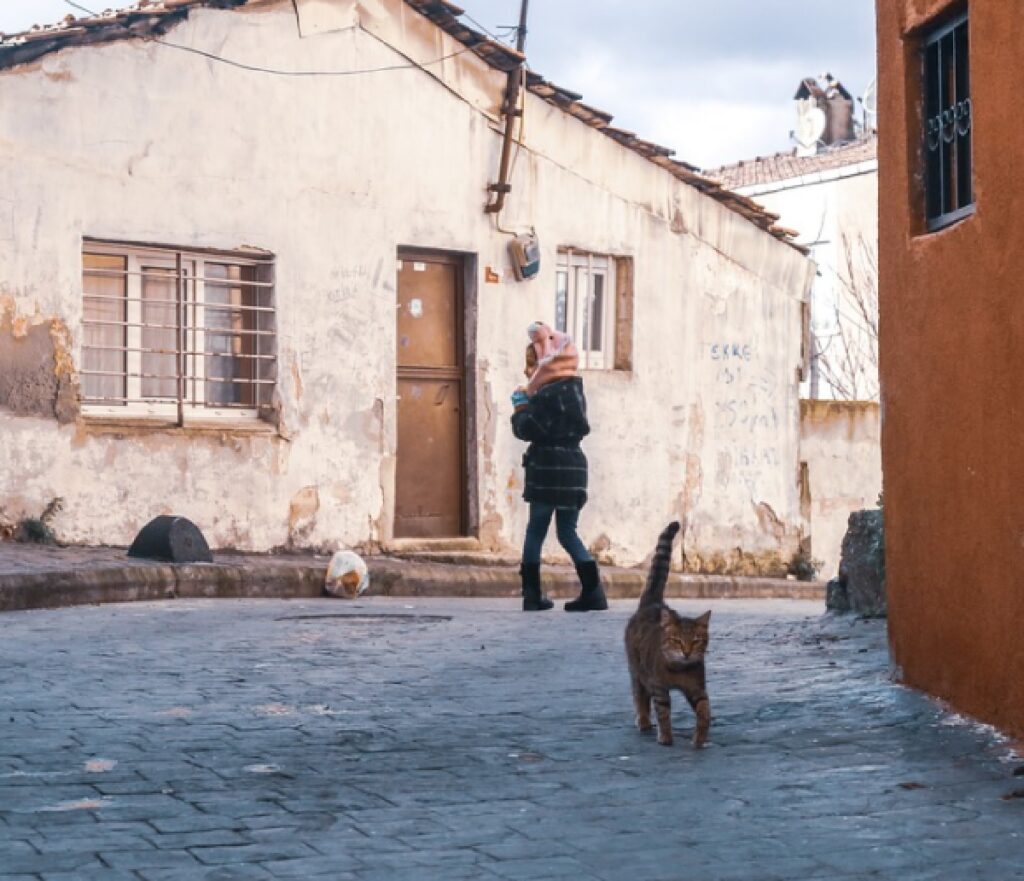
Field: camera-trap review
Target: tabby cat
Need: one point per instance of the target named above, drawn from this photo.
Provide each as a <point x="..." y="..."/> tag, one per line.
<point x="666" y="651"/>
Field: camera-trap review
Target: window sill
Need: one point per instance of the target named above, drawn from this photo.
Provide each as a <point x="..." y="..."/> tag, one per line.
<point x="606" y="371"/>
<point x="107" y="424"/>
<point x="938" y="224"/>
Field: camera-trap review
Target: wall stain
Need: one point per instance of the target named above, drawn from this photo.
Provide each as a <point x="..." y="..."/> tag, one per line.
<point x="768" y="564"/>
<point x="601" y="548"/>
<point x="769" y="521"/>
<point x="37" y="374"/>
<point x="491" y="522"/>
<point x="297" y="379"/>
<point x="302" y="511"/>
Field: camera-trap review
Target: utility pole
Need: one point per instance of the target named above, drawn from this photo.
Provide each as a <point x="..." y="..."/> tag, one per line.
<point x="521" y="33"/>
<point x="511" y="111"/>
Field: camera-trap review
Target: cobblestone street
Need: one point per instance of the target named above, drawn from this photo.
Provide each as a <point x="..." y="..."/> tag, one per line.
<point x="447" y="739"/>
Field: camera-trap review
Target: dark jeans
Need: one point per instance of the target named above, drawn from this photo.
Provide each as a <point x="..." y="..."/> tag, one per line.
<point x="565" y="528"/>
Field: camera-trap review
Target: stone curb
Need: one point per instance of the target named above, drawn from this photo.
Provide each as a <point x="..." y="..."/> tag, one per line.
<point x="288" y="578"/>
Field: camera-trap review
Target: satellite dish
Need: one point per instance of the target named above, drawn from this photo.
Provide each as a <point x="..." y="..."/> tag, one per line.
<point x="870" y="104"/>
<point x="810" y="124"/>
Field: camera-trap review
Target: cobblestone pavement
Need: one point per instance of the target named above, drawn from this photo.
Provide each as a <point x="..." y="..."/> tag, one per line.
<point x="451" y="739"/>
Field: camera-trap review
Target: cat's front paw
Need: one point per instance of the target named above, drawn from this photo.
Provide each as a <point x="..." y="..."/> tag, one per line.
<point x="665" y="739"/>
<point x="699" y="740"/>
<point x="644" y="725"/>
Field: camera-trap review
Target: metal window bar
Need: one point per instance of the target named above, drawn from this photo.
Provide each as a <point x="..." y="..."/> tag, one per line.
<point x="209" y="306"/>
<point x="142" y="375"/>
<point x="227" y="331"/>
<point x="948" y="124"/>
<point x="222" y="282"/>
<point x="179" y="288"/>
<point x="174" y="351"/>
<point x="249" y="364"/>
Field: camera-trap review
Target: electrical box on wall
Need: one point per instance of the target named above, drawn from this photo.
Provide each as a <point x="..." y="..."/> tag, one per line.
<point x="524" y="252"/>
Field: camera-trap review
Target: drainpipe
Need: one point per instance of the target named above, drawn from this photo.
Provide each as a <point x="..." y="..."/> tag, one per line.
<point x="511" y="111"/>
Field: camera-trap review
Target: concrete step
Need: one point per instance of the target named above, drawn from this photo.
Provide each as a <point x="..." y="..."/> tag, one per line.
<point x="402" y="546"/>
<point x="458" y="558"/>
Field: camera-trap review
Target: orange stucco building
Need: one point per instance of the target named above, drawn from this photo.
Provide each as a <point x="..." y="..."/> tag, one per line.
<point x="952" y="348"/>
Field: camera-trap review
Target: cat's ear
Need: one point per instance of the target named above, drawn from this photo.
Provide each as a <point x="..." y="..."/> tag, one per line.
<point x="704" y="619"/>
<point x="667" y="618"/>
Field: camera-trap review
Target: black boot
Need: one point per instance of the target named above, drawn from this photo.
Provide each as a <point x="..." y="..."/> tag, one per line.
<point x="591" y="598"/>
<point x="533" y="599"/>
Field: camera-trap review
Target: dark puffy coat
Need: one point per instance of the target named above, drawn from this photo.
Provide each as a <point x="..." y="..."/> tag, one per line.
<point x="554" y="422"/>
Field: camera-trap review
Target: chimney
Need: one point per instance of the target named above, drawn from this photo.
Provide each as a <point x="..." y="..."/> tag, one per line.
<point x="824" y="114"/>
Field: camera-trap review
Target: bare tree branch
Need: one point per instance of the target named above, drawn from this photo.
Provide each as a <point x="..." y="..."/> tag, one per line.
<point x="848" y="362"/>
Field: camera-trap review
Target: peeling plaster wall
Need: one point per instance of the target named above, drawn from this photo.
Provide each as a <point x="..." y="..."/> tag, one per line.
<point x="839" y="441"/>
<point x="134" y="141"/>
<point x="36" y="372"/>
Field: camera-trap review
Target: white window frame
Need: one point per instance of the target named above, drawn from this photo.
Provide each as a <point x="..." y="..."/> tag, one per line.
<point x="577" y="272"/>
<point x="192" y="408"/>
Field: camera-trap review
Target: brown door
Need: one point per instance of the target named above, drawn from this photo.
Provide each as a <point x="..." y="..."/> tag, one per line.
<point x="430" y="492"/>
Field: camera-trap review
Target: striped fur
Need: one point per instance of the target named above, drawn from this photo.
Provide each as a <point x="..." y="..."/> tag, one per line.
<point x="665" y="651"/>
<point x="657" y="577"/>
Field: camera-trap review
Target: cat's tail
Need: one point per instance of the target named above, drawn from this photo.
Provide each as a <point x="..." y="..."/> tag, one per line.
<point x="654" y="591"/>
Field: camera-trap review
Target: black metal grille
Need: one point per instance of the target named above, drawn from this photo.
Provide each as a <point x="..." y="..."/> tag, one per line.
<point x="949" y="192"/>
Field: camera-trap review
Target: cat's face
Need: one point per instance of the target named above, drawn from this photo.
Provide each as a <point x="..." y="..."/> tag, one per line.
<point x="686" y="638"/>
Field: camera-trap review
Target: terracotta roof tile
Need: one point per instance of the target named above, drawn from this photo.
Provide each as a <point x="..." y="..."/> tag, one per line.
<point x="155" y="17"/>
<point x="783" y="166"/>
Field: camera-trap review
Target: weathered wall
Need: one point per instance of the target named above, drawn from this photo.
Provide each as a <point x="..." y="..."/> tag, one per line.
<point x="952" y="363"/>
<point x="332" y="175"/>
<point x="840" y="442"/>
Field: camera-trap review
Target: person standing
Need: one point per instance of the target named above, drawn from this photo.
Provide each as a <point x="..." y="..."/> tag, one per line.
<point x="550" y="413"/>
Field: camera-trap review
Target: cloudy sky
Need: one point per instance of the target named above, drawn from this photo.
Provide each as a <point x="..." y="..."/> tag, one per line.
<point x="714" y="81"/>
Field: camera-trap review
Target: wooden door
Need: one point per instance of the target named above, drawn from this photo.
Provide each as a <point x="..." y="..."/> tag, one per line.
<point x="430" y="493"/>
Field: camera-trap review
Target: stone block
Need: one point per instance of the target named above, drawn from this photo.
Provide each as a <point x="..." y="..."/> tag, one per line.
<point x="861" y="582"/>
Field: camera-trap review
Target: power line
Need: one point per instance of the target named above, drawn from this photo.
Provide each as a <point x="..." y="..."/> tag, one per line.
<point x="299" y="73"/>
<point x="257" y="69"/>
<point x="80" y="8"/>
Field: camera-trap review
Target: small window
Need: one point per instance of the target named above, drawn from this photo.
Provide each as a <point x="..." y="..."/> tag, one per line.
<point x="585" y="306"/>
<point x="949" y="191"/>
<point x="175" y="334"/>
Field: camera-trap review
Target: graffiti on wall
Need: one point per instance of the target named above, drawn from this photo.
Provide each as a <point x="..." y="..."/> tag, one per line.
<point x="746" y="416"/>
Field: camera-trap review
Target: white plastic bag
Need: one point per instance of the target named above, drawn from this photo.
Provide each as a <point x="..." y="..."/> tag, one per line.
<point x="347" y="575"/>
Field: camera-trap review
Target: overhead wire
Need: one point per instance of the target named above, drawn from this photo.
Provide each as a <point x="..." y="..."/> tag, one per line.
<point x="257" y="69"/>
<point x="211" y="56"/>
<point x="78" y="7"/>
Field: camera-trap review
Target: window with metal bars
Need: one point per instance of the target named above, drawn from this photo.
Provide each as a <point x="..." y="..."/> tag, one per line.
<point x="949" y="191"/>
<point x="176" y="334"/>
